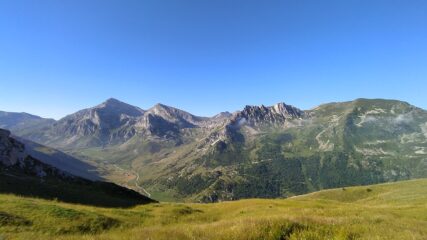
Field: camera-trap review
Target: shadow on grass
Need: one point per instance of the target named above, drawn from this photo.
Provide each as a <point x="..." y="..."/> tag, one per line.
<point x="77" y="191"/>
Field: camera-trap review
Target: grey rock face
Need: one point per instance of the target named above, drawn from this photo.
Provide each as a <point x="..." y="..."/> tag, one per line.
<point x="100" y="119"/>
<point x="228" y="125"/>
<point x="178" y="117"/>
<point x="107" y="123"/>
<point x="155" y="125"/>
<point x="257" y="115"/>
<point x="12" y="152"/>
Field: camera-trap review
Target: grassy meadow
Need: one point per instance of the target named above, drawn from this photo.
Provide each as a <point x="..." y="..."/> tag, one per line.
<point x="386" y="211"/>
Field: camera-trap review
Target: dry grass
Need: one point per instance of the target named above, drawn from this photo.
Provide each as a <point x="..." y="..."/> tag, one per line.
<point x="386" y="211"/>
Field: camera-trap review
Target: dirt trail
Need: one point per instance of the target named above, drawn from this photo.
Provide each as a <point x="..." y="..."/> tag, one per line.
<point x="140" y="187"/>
<point x="134" y="173"/>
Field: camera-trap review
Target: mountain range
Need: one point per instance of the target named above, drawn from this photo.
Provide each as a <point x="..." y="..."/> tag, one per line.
<point x="259" y="151"/>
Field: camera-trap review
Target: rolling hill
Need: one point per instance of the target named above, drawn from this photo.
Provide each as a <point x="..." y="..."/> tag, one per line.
<point x="386" y="211"/>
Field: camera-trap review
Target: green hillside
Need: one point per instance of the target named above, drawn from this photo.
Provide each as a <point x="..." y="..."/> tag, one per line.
<point x="386" y="211"/>
<point x="366" y="141"/>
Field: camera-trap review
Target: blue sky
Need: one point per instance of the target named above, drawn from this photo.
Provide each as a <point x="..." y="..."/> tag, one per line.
<point x="203" y="56"/>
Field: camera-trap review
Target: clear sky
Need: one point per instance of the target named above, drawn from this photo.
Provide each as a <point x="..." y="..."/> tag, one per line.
<point x="208" y="56"/>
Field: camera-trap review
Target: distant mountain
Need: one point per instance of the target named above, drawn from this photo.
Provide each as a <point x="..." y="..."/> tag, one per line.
<point x="113" y="122"/>
<point x="178" y="117"/>
<point x="103" y="124"/>
<point x="260" y="151"/>
<point x="21" y="173"/>
<point x="23" y="123"/>
<point x="222" y="115"/>
<point x="165" y="122"/>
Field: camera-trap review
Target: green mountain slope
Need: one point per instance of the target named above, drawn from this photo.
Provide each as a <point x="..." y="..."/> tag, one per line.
<point x="339" y="144"/>
<point x="386" y="211"/>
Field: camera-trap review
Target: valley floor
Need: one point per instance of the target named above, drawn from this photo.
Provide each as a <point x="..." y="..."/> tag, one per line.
<point x="386" y="211"/>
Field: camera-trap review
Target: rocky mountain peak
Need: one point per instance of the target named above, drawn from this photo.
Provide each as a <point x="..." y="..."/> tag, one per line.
<point x="112" y="100"/>
<point x="108" y="114"/>
<point x="259" y="115"/>
<point x="105" y="123"/>
<point x="161" y="109"/>
<point x="222" y="115"/>
<point x="118" y="107"/>
<point x="286" y="111"/>
<point x="174" y="115"/>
